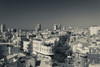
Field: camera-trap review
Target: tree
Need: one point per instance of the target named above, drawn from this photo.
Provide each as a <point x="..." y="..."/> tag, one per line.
<point x="61" y="49"/>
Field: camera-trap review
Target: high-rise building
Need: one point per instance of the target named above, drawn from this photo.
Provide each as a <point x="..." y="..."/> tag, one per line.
<point x="64" y="27"/>
<point x="38" y="27"/>
<point x="59" y="26"/>
<point x="55" y="26"/>
<point x="9" y="29"/>
<point x="3" y="28"/>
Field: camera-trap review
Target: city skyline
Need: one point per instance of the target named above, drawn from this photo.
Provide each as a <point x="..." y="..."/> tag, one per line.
<point x="49" y="33"/>
<point x="27" y="14"/>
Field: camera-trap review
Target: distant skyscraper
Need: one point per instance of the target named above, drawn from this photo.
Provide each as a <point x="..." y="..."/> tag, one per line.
<point x="3" y="28"/>
<point x="64" y="27"/>
<point x="9" y="29"/>
<point x="38" y="27"/>
<point x="59" y="26"/>
<point x="55" y="26"/>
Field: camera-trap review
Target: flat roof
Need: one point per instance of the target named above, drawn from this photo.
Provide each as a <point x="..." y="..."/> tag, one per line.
<point x="5" y="43"/>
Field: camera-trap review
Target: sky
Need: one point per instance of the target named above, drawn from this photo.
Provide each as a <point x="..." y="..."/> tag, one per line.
<point x="25" y="14"/>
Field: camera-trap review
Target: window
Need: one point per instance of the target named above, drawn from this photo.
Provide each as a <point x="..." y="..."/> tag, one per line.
<point x="50" y="50"/>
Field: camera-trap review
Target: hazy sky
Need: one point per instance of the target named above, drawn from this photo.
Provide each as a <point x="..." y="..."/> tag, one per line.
<point x="25" y="14"/>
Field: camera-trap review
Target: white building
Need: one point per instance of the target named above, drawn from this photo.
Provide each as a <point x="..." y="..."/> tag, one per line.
<point x="3" y="28"/>
<point x="81" y="56"/>
<point x="94" y="30"/>
<point x="41" y="46"/>
<point x="55" y="26"/>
